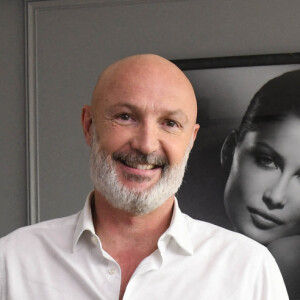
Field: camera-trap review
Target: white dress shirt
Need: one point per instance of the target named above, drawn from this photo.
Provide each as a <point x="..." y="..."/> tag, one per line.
<point x="64" y="259"/>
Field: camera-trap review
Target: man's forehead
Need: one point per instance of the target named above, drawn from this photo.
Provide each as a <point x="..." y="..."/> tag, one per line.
<point x="145" y="76"/>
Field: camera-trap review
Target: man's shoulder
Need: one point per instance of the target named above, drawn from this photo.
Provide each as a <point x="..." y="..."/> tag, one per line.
<point x="217" y="237"/>
<point x="242" y="265"/>
<point x="46" y="231"/>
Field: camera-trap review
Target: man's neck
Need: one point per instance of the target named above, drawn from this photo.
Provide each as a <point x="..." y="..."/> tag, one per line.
<point x="129" y="238"/>
<point x="113" y="225"/>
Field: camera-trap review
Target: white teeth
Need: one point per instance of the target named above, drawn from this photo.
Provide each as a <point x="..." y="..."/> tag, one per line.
<point x="140" y="166"/>
<point x="144" y="167"/>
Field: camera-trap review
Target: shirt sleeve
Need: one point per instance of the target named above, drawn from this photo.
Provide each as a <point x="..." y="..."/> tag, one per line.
<point x="270" y="284"/>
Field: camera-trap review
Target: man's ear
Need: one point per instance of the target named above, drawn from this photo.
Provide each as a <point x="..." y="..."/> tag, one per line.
<point x="86" y="121"/>
<point x="196" y="128"/>
<point x="227" y="150"/>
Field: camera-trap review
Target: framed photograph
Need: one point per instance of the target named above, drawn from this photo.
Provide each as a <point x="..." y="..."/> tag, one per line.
<point x="240" y="195"/>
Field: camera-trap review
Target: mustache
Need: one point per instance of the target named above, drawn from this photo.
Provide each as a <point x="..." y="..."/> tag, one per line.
<point x="141" y="158"/>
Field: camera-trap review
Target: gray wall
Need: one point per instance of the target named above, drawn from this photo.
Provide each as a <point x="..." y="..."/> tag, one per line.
<point x="13" y="205"/>
<point x="71" y="45"/>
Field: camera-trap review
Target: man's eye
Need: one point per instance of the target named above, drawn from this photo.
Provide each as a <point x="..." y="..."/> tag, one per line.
<point x="124" y="117"/>
<point x="171" y="123"/>
<point x="266" y="161"/>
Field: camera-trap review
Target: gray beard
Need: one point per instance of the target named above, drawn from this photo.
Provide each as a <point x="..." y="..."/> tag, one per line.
<point x="105" y="180"/>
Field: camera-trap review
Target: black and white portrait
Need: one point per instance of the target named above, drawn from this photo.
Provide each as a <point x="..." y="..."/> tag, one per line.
<point x="244" y="172"/>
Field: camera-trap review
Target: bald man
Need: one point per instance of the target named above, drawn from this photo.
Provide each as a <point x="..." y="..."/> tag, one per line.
<point x="131" y="240"/>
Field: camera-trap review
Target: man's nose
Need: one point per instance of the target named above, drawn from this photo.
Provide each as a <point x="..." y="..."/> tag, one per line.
<point x="276" y="195"/>
<point x="146" y="138"/>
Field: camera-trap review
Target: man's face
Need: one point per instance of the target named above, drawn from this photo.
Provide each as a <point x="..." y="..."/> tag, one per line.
<point x="145" y="123"/>
<point x="262" y="195"/>
<point x="144" y="115"/>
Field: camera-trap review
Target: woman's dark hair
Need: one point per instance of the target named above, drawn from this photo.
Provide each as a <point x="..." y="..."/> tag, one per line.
<point x="275" y="100"/>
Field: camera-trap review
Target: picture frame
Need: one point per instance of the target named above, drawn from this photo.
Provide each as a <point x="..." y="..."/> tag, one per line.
<point x="224" y="87"/>
<point x="238" y="78"/>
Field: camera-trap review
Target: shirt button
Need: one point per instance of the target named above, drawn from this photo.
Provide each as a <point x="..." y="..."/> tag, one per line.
<point x="112" y="271"/>
<point x="94" y="240"/>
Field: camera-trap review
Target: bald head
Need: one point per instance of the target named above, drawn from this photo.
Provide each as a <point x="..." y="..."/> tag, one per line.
<point x="137" y="71"/>
<point x="143" y="87"/>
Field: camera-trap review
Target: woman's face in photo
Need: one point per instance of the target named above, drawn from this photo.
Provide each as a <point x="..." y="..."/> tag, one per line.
<point x="262" y="194"/>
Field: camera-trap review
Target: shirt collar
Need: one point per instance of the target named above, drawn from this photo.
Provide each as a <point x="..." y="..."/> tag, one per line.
<point x="178" y="229"/>
<point x="85" y="220"/>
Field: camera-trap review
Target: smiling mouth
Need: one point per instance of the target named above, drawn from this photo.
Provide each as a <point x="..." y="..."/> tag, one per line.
<point x="139" y="166"/>
<point x="263" y="220"/>
<point x="141" y="161"/>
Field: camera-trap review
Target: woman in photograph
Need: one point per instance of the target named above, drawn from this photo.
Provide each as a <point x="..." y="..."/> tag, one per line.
<point x="262" y="194"/>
